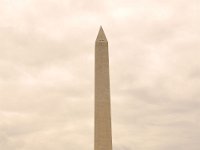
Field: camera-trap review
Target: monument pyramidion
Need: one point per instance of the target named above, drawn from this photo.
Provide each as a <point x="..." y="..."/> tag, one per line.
<point x="103" y="131"/>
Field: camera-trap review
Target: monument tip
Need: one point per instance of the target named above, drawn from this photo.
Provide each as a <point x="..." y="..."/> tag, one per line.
<point x="101" y="37"/>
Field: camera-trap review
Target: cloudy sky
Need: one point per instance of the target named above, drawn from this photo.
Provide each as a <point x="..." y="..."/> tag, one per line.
<point x="47" y="73"/>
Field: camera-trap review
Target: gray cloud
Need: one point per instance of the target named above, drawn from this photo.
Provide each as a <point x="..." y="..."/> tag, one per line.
<point x="47" y="73"/>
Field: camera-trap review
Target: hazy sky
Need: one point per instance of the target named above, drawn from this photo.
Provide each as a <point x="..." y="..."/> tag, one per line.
<point x="47" y="73"/>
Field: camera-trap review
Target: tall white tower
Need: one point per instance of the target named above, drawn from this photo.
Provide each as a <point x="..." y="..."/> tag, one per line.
<point x="103" y="133"/>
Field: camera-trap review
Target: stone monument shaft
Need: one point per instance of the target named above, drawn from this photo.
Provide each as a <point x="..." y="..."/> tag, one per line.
<point x="103" y="133"/>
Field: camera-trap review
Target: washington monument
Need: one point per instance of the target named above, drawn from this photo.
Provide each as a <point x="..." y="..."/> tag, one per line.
<point x="103" y="133"/>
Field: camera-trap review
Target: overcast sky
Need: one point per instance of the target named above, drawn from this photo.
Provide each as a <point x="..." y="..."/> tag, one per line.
<point x="47" y="73"/>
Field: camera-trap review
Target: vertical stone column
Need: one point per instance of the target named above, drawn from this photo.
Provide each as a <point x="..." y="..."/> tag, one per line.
<point x="103" y="133"/>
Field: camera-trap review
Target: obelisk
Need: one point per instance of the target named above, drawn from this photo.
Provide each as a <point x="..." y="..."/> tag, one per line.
<point x="103" y="133"/>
